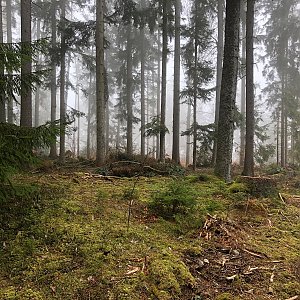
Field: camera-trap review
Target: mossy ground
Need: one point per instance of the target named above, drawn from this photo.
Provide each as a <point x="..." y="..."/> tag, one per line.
<point x="69" y="238"/>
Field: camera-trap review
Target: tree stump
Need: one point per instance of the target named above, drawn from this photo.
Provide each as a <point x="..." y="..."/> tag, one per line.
<point x="259" y="186"/>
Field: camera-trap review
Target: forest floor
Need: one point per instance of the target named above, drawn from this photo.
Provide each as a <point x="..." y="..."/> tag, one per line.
<point x="70" y="236"/>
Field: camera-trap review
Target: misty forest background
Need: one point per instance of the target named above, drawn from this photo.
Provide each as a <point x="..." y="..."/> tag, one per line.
<point x="146" y="78"/>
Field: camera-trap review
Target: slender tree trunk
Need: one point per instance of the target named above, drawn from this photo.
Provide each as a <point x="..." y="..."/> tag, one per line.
<point x="2" y="96"/>
<point x="26" y="68"/>
<point x="53" y="148"/>
<point x="282" y="125"/>
<point x="107" y="131"/>
<point x="10" y="107"/>
<point x="195" y="82"/>
<point x="129" y="92"/>
<point x="176" y="96"/>
<point x="228" y="91"/>
<point x="107" y="108"/>
<point x="142" y="34"/>
<point x="188" y="137"/>
<point x="88" y="142"/>
<point x="100" y="83"/>
<point x="37" y="91"/>
<point x="286" y="140"/>
<point x="249" y="149"/>
<point x="78" y="108"/>
<point x="243" y="87"/>
<point x="162" y="136"/>
<point x="220" y="47"/>
<point x="62" y="76"/>
<point x="158" y="89"/>
<point x="277" y="137"/>
<point x="195" y="133"/>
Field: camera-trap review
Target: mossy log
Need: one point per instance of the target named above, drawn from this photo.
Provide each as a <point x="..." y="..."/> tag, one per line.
<point x="259" y="186"/>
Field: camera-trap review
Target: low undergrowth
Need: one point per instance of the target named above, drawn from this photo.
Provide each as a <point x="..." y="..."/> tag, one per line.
<point x="78" y="236"/>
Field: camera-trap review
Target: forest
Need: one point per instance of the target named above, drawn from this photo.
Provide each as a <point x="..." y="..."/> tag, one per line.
<point x="150" y="149"/>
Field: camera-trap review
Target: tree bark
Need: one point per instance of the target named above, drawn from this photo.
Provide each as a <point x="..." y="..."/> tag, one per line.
<point x="188" y="137"/>
<point x="249" y="149"/>
<point x="37" y="91"/>
<point x="162" y="136"/>
<point x="88" y="142"/>
<point x="26" y="67"/>
<point x="100" y="83"/>
<point x="129" y="92"/>
<point x="243" y="86"/>
<point x="62" y="76"/>
<point x="176" y="96"/>
<point x="2" y="97"/>
<point x="10" y="106"/>
<point x="142" y="34"/>
<point x="158" y="88"/>
<point x="228" y="91"/>
<point x="220" y="47"/>
<point x="195" y="79"/>
<point x="53" y="148"/>
<point x="282" y="124"/>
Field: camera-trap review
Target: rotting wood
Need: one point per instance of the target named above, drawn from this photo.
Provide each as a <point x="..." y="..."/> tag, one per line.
<point x="259" y="186"/>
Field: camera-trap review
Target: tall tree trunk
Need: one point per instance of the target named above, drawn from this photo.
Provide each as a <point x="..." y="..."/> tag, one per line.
<point x="195" y="83"/>
<point x="62" y="76"/>
<point x="2" y="96"/>
<point x="220" y="47"/>
<point x="88" y="142"/>
<point x="53" y="148"/>
<point x="286" y="140"/>
<point x="243" y="86"/>
<point x="129" y="92"/>
<point x="142" y="34"/>
<point x="162" y="136"/>
<point x="26" y="68"/>
<point x="282" y="124"/>
<point x="176" y="99"/>
<point x="249" y="149"/>
<point x="188" y="137"/>
<point x="78" y="108"/>
<point x="107" y="108"/>
<point x="100" y="83"/>
<point x="228" y="91"/>
<point x="158" y="88"/>
<point x="10" y="107"/>
<point x="37" y="91"/>
<point x="277" y="136"/>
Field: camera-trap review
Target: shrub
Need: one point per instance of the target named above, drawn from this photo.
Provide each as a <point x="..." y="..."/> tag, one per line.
<point x="178" y="197"/>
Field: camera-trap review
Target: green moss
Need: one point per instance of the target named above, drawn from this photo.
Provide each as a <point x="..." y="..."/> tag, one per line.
<point x="11" y="293"/>
<point x="225" y="296"/>
<point x="238" y="187"/>
<point x="168" y="275"/>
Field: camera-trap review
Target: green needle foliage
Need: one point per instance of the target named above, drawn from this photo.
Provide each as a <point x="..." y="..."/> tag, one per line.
<point x="177" y="198"/>
<point x="17" y="146"/>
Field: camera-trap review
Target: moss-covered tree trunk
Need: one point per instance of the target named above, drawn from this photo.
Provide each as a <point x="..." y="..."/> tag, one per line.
<point x="228" y="91"/>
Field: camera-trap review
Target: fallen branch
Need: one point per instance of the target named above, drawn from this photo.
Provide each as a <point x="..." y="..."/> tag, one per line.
<point x="281" y="198"/>
<point x="293" y="298"/>
<point x="255" y="254"/>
